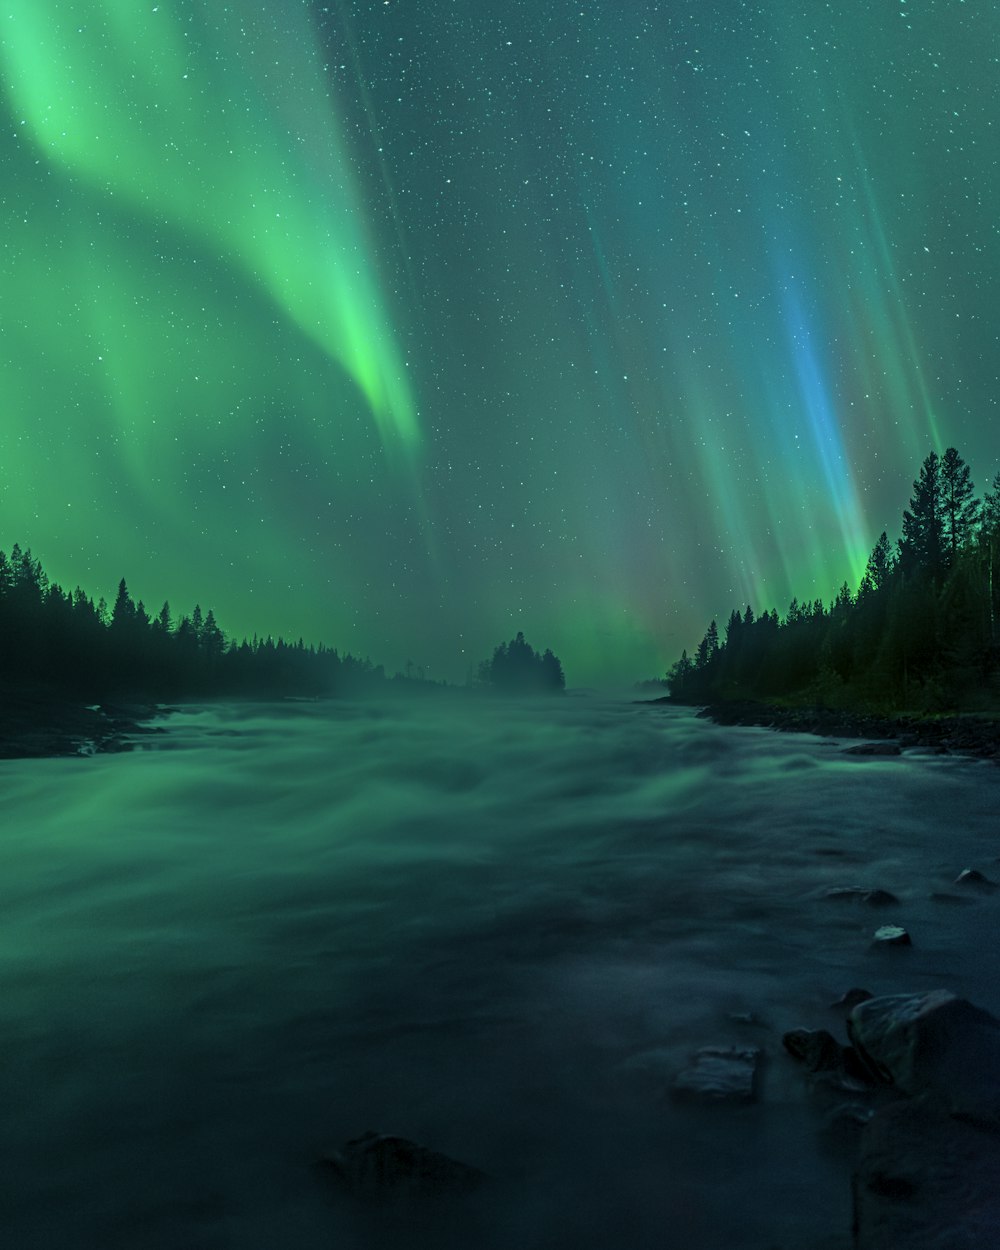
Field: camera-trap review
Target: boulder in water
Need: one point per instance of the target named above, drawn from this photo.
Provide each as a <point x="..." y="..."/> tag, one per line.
<point x="972" y="879"/>
<point x="719" y="1074"/>
<point x="933" y="1044"/>
<point x="866" y="749"/>
<point x="383" y="1167"/>
<point x="816" y="1048"/>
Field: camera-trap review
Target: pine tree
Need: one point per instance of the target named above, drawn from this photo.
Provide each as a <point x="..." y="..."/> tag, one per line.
<point x="708" y="648"/>
<point x="922" y="542"/>
<point x="990" y="515"/>
<point x="680" y="675"/>
<point x="959" y="510"/>
<point x="879" y="567"/>
<point x="123" y="613"/>
<point x="213" y="640"/>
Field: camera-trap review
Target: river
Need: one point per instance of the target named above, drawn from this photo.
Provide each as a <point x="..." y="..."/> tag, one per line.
<point x="495" y="928"/>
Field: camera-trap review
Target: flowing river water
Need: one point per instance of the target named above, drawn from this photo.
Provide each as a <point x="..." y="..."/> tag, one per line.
<point x="495" y="928"/>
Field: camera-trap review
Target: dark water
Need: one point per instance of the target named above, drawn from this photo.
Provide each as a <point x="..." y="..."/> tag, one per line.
<point x="288" y="925"/>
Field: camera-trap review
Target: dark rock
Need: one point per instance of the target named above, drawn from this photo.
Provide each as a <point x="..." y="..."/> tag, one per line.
<point x="925" y="1181"/>
<point x="972" y="879"/>
<point x="860" y="894"/>
<point x="852" y="997"/>
<point x="832" y="1067"/>
<point x="933" y="1044"/>
<point x="818" y="1050"/>
<point x="36" y="723"/>
<point x="874" y="748"/>
<point x="892" y="935"/>
<point x="719" y="1074"/>
<point x="966" y="735"/>
<point x="382" y="1167"/>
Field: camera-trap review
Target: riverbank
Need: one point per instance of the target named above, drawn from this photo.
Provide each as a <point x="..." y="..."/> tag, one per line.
<point x="36" y="723"/>
<point x="973" y="735"/>
<point x="969" y="734"/>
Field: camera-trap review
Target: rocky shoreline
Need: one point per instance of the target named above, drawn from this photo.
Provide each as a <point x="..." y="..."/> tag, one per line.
<point x="41" y="725"/>
<point x="977" y="736"/>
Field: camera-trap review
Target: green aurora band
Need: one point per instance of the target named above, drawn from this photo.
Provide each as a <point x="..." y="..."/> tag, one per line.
<point x="159" y="114"/>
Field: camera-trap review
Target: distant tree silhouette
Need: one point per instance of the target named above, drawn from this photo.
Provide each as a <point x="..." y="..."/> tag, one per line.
<point x="516" y="668"/>
<point x="50" y="638"/>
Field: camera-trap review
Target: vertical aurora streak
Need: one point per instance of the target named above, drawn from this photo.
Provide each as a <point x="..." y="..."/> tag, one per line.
<point x="682" y="299"/>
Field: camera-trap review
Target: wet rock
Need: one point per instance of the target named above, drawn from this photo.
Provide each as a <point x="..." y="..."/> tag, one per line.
<point x="925" y="1181"/>
<point x="972" y="879"/>
<point x="860" y="894"/>
<point x="832" y="1067"/>
<point x="719" y="1074"/>
<point x="891" y="935"/>
<point x="852" y="997"/>
<point x="816" y="1048"/>
<point x="933" y="1044"/>
<point x="382" y="1167"/>
<point x="874" y="748"/>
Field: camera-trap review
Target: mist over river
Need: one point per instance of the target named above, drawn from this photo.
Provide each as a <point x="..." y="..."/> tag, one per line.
<point x="283" y="925"/>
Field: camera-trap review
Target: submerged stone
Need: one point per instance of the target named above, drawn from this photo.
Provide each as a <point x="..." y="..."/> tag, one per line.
<point x="892" y="935"/>
<point x="864" y="749"/>
<point x="381" y="1166"/>
<point x="719" y="1074"/>
<point x="860" y="894"/>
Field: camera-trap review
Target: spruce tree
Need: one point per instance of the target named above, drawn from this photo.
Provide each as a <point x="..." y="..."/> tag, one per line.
<point x="959" y="510"/>
<point x="879" y="565"/>
<point x="922" y="542"/>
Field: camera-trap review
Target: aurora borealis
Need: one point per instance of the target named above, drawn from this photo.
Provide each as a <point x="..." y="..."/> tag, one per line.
<point x="404" y="326"/>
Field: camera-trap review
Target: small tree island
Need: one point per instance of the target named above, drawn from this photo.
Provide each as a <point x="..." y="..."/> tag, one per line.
<point x="517" y="668"/>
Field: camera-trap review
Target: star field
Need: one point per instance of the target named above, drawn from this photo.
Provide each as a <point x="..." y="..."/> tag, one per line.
<point x="405" y="326"/>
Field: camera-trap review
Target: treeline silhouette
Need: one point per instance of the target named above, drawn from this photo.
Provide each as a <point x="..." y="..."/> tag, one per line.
<point x="517" y="668"/>
<point x="918" y="634"/>
<point x="64" y="641"/>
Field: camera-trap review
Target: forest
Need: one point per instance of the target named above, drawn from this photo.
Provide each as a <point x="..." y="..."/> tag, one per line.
<point x="919" y="634"/>
<point x="67" y="644"/>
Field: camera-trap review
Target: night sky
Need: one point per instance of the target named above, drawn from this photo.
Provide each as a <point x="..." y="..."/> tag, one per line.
<point x="406" y="324"/>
